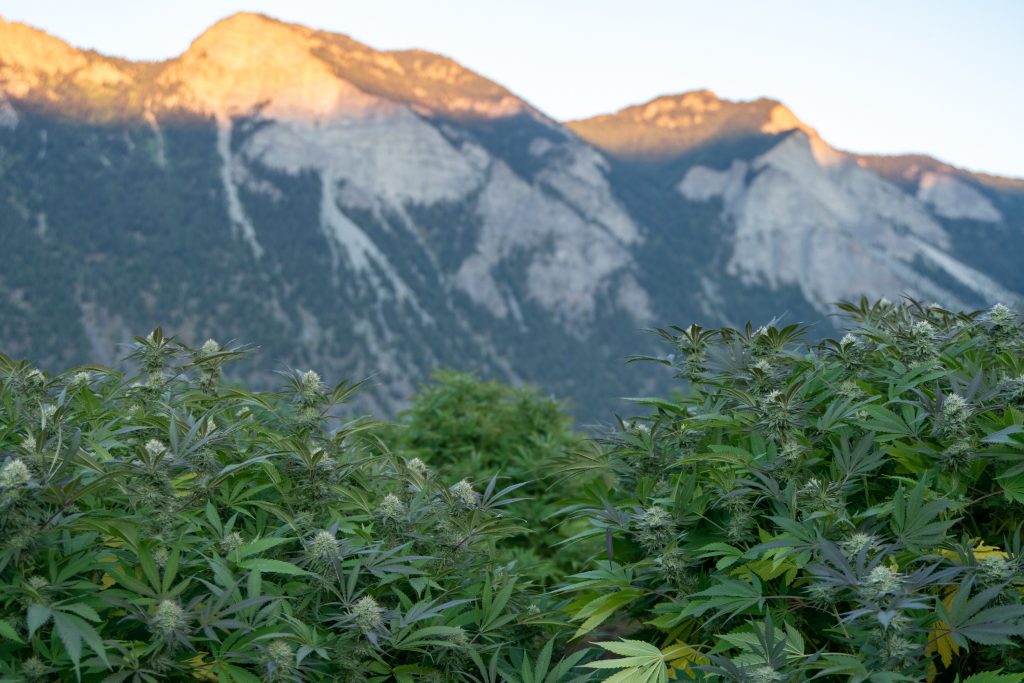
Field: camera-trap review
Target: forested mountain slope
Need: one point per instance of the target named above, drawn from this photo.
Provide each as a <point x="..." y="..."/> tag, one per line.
<point x="381" y="214"/>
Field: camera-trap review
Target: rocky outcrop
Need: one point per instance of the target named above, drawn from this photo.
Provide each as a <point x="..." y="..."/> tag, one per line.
<point x="810" y="216"/>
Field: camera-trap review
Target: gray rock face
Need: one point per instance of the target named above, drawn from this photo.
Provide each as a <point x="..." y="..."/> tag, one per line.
<point x="382" y="214"/>
<point x="812" y="217"/>
<point x="950" y="197"/>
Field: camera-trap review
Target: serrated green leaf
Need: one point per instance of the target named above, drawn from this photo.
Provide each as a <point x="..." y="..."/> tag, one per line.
<point x="272" y="566"/>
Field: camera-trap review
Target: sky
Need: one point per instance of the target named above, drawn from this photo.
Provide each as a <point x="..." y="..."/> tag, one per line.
<point x="942" y="77"/>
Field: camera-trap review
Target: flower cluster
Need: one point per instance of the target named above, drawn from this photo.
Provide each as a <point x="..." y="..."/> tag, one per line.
<point x="918" y="342"/>
<point x="956" y="414"/>
<point x="15" y="475"/>
<point x="777" y="416"/>
<point x="323" y="549"/>
<point x="418" y="467"/>
<point x="465" y="496"/>
<point x="820" y="496"/>
<point x="281" y="659"/>
<point x="155" y="448"/>
<point x="881" y="582"/>
<point x="368" y="614"/>
<point x="231" y="541"/>
<point x="655" y="528"/>
<point x="857" y="543"/>
<point x="312" y="386"/>
<point x="1001" y="328"/>
<point x="391" y="508"/>
<point x="167" y="619"/>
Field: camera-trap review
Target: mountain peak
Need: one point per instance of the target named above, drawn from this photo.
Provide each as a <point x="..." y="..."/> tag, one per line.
<point x="29" y="48"/>
<point x="31" y="59"/>
<point x="247" y="61"/>
<point x="246" y="37"/>
<point x="250" y="59"/>
<point x="673" y="124"/>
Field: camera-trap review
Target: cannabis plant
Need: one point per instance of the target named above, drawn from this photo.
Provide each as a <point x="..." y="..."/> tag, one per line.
<point x="845" y="510"/>
<point x="170" y="526"/>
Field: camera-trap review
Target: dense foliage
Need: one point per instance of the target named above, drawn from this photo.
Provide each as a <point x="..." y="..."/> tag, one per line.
<point x="850" y="510"/>
<point x="476" y="429"/>
<point x="847" y="510"/>
<point x="173" y="527"/>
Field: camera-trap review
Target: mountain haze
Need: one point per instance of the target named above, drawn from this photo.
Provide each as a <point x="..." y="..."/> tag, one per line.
<point x="383" y="213"/>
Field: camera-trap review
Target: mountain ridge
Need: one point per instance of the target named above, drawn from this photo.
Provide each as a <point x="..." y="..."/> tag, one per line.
<point x="253" y="47"/>
<point x="385" y="213"/>
<point x="777" y="117"/>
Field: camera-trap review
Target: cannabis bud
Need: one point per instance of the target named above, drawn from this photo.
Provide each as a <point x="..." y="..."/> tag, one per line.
<point x="822" y="594"/>
<point x="776" y="414"/>
<point x="282" y="655"/>
<point x="38" y="582"/>
<point x="917" y="344"/>
<point x="14" y="475"/>
<point x="764" y="674"/>
<point x="1001" y="314"/>
<point x="655" y="527"/>
<point x="323" y="549"/>
<point x="168" y="618"/>
<point x="881" y="581"/>
<point x="996" y="569"/>
<point x="959" y="455"/>
<point x="34" y="669"/>
<point x="850" y="390"/>
<point x="368" y="614"/>
<point x="418" y="466"/>
<point x="956" y="412"/>
<point x="857" y="542"/>
<point x="391" y="508"/>
<point x="231" y="542"/>
<point x="155" y="448"/>
<point x="465" y="495"/>
<point x="312" y="386"/>
<point x="1001" y="328"/>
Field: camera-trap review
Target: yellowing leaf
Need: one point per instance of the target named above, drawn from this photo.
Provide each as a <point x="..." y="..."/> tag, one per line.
<point x="680" y="657"/>
<point x="112" y="542"/>
<point x="940" y="638"/>
<point x="179" y="484"/>
<point x="203" y="670"/>
<point x="981" y="551"/>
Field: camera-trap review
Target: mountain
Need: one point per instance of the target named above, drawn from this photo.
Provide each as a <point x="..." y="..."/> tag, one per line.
<point x="803" y="215"/>
<point x="383" y="213"/>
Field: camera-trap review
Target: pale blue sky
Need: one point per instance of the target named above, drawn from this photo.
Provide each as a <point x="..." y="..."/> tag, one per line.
<point x="935" y="76"/>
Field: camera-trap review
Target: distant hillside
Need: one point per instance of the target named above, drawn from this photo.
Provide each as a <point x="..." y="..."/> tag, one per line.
<point x="381" y="214"/>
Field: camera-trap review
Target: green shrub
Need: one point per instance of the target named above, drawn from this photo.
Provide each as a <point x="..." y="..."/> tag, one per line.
<point x="468" y="428"/>
<point x="845" y="510"/>
<point x="170" y="527"/>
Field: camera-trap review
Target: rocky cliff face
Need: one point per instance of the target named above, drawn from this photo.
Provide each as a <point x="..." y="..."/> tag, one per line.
<point x="802" y="215"/>
<point x="380" y="214"/>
